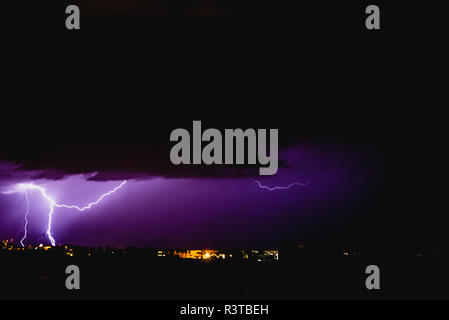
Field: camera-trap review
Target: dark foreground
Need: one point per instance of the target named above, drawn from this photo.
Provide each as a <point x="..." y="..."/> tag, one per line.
<point x="125" y="277"/>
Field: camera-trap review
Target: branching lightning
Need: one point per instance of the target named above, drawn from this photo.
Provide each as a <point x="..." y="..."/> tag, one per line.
<point x="90" y="205"/>
<point x="24" y="187"/>
<point x="300" y="184"/>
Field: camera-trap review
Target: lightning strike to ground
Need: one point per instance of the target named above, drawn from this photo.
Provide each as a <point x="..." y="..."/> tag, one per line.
<point x="24" y="187"/>
<point x="25" y="230"/>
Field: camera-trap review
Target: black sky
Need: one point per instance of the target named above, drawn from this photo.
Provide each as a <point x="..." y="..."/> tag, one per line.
<point x="106" y="98"/>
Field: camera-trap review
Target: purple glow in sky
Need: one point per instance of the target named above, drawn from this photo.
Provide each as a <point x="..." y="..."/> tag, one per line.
<point x="26" y="187"/>
<point x="186" y="212"/>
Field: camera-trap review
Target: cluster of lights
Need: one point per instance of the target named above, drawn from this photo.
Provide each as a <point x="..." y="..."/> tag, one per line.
<point x="208" y="254"/>
<point x="204" y="254"/>
<point x="9" y="245"/>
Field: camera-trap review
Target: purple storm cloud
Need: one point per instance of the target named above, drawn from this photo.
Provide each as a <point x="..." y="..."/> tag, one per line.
<point x="179" y="212"/>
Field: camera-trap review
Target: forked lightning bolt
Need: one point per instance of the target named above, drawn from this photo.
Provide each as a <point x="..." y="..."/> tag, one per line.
<point x="300" y="184"/>
<point x="24" y="187"/>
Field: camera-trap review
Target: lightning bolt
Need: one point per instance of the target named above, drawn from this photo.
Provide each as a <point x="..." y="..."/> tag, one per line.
<point x="25" y="231"/>
<point x="90" y="205"/>
<point x="300" y="184"/>
<point x="24" y="187"/>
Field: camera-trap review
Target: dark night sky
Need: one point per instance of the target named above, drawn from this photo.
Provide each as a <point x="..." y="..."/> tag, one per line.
<point x="105" y="100"/>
